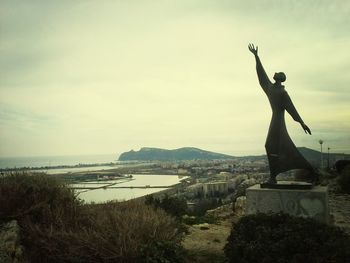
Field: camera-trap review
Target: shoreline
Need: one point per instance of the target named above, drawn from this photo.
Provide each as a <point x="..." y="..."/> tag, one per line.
<point x="111" y="165"/>
<point x="80" y="165"/>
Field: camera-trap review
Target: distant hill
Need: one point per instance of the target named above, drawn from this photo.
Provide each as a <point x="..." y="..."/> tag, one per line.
<point x="181" y="154"/>
<point x="313" y="156"/>
<point x="190" y="153"/>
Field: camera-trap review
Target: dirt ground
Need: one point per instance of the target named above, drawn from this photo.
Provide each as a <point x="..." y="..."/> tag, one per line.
<point x="205" y="242"/>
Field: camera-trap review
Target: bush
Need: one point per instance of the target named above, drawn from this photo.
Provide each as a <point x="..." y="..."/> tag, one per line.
<point x="282" y="238"/>
<point x="341" y="164"/>
<point x="174" y="206"/>
<point x="203" y="205"/>
<point x="57" y="227"/>
<point x="344" y="179"/>
<point x="36" y="198"/>
<point x="163" y="252"/>
<point x="118" y="232"/>
<point x="195" y="220"/>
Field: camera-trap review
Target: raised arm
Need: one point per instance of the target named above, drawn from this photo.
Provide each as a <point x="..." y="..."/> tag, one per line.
<point x="264" y="80"/>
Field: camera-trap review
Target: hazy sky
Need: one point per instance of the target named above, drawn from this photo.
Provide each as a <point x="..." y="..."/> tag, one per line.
<point x="89" y="77"/>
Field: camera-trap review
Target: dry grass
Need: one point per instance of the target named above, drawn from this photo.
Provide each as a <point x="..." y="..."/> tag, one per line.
<point x="205" y="244"/>
<point x="57" y="227"/>
<point x="115" y="233"/>
<point x="37" y="198"/>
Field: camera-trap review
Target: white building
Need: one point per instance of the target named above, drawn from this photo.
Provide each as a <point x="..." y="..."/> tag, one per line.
<point x="213" y="188"/>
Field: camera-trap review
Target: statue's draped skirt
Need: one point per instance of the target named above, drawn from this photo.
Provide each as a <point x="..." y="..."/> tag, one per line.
<point x="281" y="151"/>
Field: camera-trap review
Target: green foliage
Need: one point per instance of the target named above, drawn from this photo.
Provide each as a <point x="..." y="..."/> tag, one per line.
<point x="195" y="220"/>
<point x="57" y="227"/>
<point x="344" y="179"/>
<point x="175" y="206"/>
<point x="205" y="204"/>
<point x="36" y="198"/>
<point x="163" y="252"/>
<point x="282" y="238"/>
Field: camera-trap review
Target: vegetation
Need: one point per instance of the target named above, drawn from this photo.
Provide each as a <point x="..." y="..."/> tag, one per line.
<point x="205" y="204"/>
<point x="177" y="206"/>
<point x="174" y="206"/>
<point x="195" y="220"/>
<point x="37" y="198"/>
<point x="57" y="227"/>
<point x="344" y="179"/>
<point x="341" y="164"/>
<point x="282" y="238"/>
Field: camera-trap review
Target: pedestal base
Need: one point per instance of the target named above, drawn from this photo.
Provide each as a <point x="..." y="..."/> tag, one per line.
<point x="297" y="202"/>
<point x="288" y="185"/>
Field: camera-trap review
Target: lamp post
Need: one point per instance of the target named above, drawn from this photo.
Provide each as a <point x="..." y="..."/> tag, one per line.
<point x="328" y="159"/>
<point x="321" y="142"/>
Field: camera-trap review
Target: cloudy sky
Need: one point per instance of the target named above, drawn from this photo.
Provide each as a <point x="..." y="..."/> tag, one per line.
<point x="99" y="76"/>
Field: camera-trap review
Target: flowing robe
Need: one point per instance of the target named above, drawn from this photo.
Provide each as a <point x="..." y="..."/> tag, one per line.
<point x="281" y="151"/>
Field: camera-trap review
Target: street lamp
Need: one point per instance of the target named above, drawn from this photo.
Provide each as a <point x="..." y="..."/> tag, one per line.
<point x="328" y="159"/>
<point x="321" y="142"/>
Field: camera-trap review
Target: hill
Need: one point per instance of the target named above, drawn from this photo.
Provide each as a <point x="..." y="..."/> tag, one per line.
<point x="190" y="153"/>
<point x="313" y="156"/>
<point x="181" y="154"/>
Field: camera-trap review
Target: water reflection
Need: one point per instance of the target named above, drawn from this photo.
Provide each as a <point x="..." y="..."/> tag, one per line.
<point x="103" y="195"/>
<point x="139" y="180"/>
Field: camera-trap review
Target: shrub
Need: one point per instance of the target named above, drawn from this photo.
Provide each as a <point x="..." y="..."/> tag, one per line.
<point x="118" y="232"/>
<point x="57" y="227"/>
<point x="344" y="179"/>
<point x="195" y="220"/>
<point x="282" y="238"/>
<point x="175" y="206"/>
<point x="36" y="198"/>
<point x="163" y="252"/>
<point x="203" y="205"/>
<point x="341" y="164"/>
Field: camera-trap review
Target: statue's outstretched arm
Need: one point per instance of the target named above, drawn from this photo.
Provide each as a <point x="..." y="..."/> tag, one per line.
<point x="289" y="106"/>
<point x="264" y="80"/>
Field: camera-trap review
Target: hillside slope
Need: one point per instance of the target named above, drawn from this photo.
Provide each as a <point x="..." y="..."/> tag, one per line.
<point x="181" y="154"/>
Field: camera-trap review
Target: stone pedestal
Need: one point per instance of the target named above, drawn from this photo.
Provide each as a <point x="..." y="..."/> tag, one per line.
<point x="305" y="203"/>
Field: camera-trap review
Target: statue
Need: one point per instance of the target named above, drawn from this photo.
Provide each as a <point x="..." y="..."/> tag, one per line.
<point x="281" y="152"/>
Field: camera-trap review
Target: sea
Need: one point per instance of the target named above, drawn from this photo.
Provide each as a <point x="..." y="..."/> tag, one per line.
<point x="49" y="161"/>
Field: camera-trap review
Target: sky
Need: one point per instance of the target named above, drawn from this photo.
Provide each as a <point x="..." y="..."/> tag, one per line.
<point x="99" y="76"/>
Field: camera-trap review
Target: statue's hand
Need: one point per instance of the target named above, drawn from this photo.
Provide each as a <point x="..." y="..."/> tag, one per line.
<point x="253" y="49"/>
<point x="306" y="129"/>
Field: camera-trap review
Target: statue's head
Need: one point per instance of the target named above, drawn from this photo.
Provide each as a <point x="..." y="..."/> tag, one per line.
<point x="280" y="77"/>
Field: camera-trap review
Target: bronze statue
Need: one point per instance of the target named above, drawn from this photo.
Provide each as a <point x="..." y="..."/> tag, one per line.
<point x="281" y="151"/>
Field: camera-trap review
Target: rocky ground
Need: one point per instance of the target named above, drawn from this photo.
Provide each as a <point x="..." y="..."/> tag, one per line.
<point x="339" y="205"/>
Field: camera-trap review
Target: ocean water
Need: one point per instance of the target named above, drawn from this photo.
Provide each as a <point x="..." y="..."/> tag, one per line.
<point x="43" y="161"/>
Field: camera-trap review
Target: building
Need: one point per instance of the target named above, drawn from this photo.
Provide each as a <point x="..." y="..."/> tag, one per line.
<point x="215" y="188"/>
